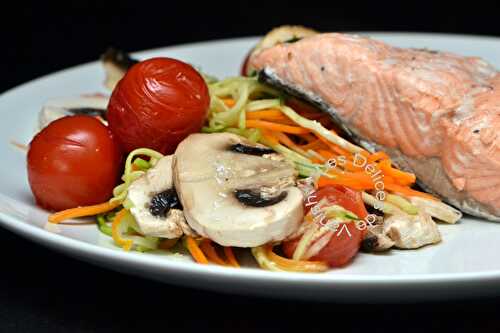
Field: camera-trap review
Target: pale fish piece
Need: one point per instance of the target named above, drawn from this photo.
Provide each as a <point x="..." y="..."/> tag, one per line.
<point x="411" y="231"/>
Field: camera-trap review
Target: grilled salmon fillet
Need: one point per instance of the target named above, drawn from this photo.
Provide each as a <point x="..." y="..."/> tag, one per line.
<point x="436" y="114"/>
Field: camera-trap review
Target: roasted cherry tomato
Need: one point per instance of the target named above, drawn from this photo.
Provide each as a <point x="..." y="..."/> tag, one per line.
<point x="157" y="104"/>
<point x="75" y="161"/>
<point x="342" y="247"/>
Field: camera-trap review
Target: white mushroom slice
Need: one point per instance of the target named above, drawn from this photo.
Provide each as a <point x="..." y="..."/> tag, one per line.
<point x="411" y="231"/>
<point x="116" y="63"/>
<point x="208" y="174"/>
<point x="94" y="105"/>
<point x="437" y="209"/>
<point x="141" y="192"/>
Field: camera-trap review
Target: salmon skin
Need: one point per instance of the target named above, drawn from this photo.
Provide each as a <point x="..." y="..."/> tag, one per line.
<point x="436" y="114"/>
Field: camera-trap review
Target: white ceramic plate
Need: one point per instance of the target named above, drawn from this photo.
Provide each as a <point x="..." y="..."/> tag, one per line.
<point x="464" y="264"/>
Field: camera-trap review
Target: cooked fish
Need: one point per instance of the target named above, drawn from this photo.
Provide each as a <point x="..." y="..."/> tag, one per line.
<point x="283" y="34"/>
<point x="411" y="231"/>
<point x="436" y="114"/>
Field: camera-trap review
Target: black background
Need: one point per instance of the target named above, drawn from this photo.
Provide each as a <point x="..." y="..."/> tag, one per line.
<point x="44" y="291"/>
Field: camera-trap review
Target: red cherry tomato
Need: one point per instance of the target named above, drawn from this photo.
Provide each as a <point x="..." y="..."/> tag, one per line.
<point x="342" y="246"/>
<point x="157" y="104"/>
<point x="75" y="161"/>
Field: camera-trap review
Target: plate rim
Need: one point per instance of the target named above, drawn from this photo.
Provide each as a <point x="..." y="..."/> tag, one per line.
<point x="75" y="247"/>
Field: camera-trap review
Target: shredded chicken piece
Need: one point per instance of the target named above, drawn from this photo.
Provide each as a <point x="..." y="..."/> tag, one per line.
<point x="411" y="231"/>
<point x="376" y="240"/>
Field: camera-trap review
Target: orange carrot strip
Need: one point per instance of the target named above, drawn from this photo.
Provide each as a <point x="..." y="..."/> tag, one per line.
<point x="407" y="191"/>
<point x="229" y="102"/>
<point x="207" y="248"/>
<point x="276" y="127"/>
<point x="126" y="244"/>
<point x="228" y="251"/>
<point x="334" y="147"/>
<point x="326" y="153"/>
<point x="284" y="139"/>
<point x="404" y="178"/>
<point x="195" y="251"/>
<point x="296" y="265"/>
<point x="348" y="183"/>
<point x="313" y="145"/>
<point x="268" y="114"/>
<point x="82" y="211"/>
<point x="269" y="136"/>
<point x="357" y="180"/>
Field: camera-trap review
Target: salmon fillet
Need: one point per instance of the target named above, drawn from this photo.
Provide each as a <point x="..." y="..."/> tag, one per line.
<point x="436" y="114"/>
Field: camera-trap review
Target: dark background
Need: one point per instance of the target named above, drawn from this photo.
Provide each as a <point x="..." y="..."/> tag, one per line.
<point x="44" y="291"/>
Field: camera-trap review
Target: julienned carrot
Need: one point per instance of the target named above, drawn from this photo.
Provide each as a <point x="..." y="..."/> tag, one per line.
<point x="228" y="251"/>
<point x="313" y="145"/>
<point x="404" y="190"/>
<point x="296" y="265"/>
<point x="326" y="153"/>
<point x="266" y="114"/>
<point x="126" y="244"/>
<point x="404" y="178"/>
<point x="269" y="136"/>
<point x="82" y="211"/>
<point x="208" y="249"/>
<point x="195" y="251"/>
<point x="276" y="127"/>
<point x="284" y="139"/>
<point x="356" y="181"/>
<point x="229" y="102"/>
<point x="333" y="147"/>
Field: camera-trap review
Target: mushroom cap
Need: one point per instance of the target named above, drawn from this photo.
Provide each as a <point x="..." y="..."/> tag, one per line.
<point x="206" y="175"/>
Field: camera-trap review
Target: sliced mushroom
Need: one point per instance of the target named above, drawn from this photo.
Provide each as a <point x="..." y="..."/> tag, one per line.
<point x="116" y="63"/>
<point x="92" y="105"/>
<point x="411" y="231"/>
<point x="157" y="214"/>
<point x="233" y="198"/>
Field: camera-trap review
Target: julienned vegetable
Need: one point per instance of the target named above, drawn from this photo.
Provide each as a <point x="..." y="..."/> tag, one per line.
<point x="75" y="161"/>
<point x="157" y="104"/>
